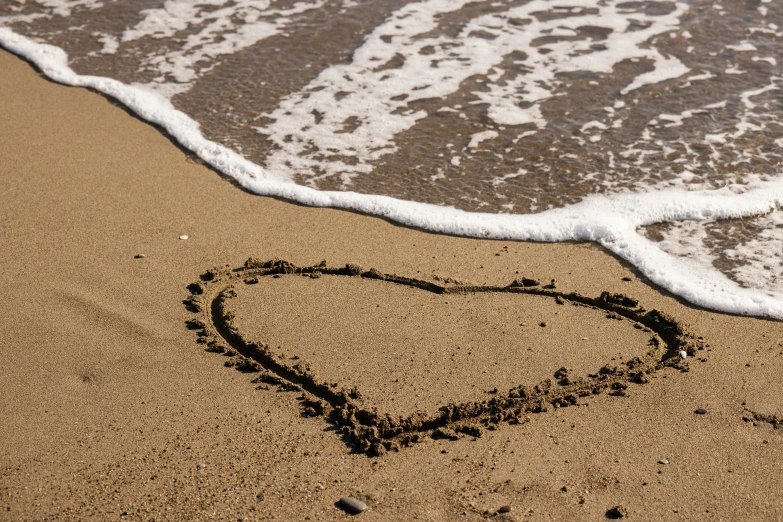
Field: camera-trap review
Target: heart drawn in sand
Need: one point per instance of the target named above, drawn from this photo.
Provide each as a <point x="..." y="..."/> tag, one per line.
<point x="334" y="389"/>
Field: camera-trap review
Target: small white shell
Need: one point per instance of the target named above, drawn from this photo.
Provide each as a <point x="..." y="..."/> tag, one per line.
<point x="183" y="237"/>
<point x="683" y="354"/>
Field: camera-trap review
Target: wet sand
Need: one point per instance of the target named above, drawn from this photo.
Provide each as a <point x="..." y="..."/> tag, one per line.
<point x="112" y="408"/>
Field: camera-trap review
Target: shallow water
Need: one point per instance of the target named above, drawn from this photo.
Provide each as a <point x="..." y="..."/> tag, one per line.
<point x="503" y="107"/>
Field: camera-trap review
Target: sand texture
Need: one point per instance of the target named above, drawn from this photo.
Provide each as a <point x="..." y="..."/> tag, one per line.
<point x="147" y="377"/>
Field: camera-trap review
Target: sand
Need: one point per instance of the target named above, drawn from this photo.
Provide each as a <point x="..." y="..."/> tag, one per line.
<point x="112" y="409"/>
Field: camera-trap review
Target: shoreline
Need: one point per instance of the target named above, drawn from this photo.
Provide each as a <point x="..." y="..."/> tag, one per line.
<point x="611" y="220"/>
<point x="112" y="408"/>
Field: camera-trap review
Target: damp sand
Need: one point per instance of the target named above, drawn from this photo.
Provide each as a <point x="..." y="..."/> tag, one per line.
<point x="112" y="408"/>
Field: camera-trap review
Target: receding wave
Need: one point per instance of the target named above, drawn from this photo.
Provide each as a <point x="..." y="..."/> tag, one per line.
<point x="653" y="127"/>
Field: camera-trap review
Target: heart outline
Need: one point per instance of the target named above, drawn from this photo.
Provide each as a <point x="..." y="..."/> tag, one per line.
<point x="374" y="434"/>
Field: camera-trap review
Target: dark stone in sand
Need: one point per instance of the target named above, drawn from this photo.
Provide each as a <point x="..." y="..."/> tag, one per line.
<point x="616" y="512"/>
<point x="542" y="324"/>
<point x="504" y="509"/>
<point x="139" y="256"/>
<point x="352" y="505"/>
<point x="700" y="411"/>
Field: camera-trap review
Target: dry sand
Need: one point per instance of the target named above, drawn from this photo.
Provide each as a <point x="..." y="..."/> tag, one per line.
<point x="112" y="409"/>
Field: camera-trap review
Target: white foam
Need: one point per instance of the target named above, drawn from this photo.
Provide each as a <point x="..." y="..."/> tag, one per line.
<point x="224" y="30"/>
<point x="52" y="8"/>
<point x="699" y="77"/>
<point x="399" y="63"/>
<point x="751" y="116"/>
<point x="715" y="138"/>
<point x="66" y="7"/>
<point x="742" y="46"/>
<point x="110" y="43"/>
<point x="770" y="60"/>
<point x="609" y="220"/>
<point x="477" y="138"/>
<point x="666" y="68"/>
<point x="500" y="180"/>
<point x="761" y="258"/>
<point x="595" y="124"/>
<point x="758" y="259"/>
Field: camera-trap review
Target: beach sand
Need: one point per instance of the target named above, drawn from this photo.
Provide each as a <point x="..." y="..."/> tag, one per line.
<point x="112" y="409"/>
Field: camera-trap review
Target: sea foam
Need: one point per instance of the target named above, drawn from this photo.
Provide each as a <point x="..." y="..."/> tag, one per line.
<point x="615" y="220"/>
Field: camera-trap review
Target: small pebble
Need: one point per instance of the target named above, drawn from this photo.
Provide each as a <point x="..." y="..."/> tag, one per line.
<point x="353" y="505"/>
<point x="183" y="237"/>
<point x="320" y="487"/>
<point x="139" y="256"/>
<point x="700" y="411"/>
<point x="683" y="354"/>
<point x="616" y="512"/>
<point x="663" y="461"/>
<point x="201" y="465"/>
<point x="504" y="509"/>
<point x="542" y="324"/>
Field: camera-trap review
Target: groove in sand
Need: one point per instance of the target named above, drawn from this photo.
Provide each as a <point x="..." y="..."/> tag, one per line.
<point x="374" y="433"/>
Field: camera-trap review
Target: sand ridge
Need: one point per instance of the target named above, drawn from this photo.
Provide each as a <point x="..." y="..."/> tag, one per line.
<point x="366" y="429"/>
